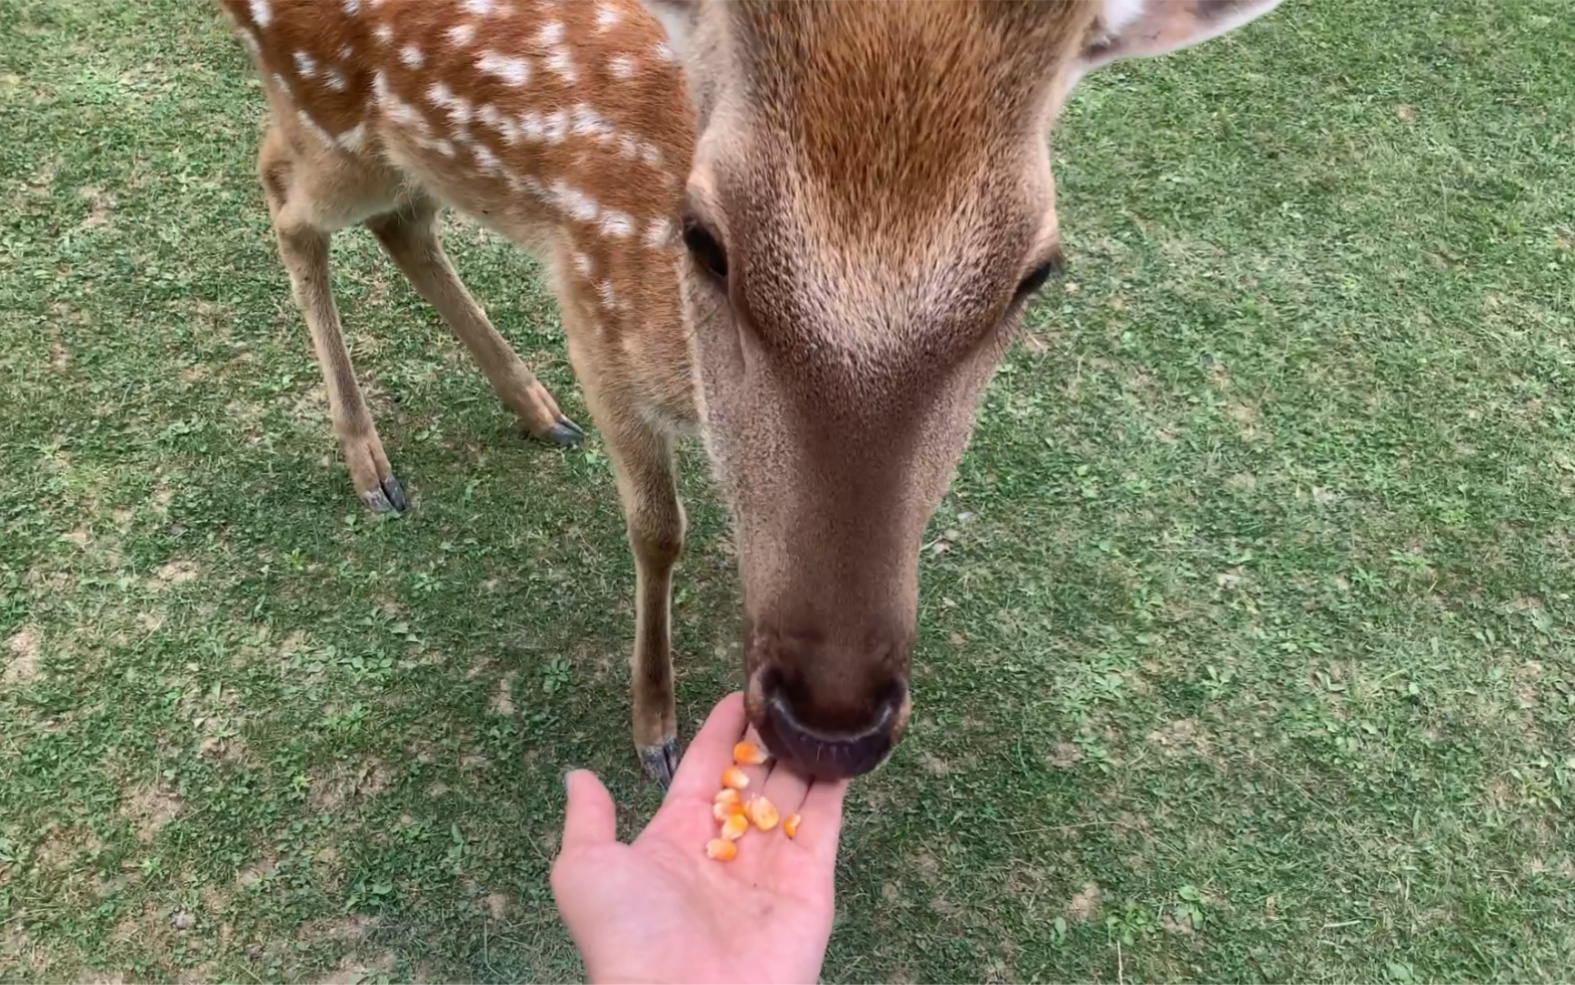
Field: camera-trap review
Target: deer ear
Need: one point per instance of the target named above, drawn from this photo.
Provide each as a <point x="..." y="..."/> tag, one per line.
<point x="1145" y="28"/>
<point x="679" y="18"/>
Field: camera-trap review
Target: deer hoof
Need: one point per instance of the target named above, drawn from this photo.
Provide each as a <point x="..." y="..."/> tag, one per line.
<point x="661" y="762"/>
<point x="564" y="433"/>
<point x="387" y="497"/>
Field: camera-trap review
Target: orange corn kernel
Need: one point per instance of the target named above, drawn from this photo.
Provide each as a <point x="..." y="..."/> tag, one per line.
<point x="727" y="795"/>
<point x="746" y="753"/>
<point x="790" y="826"/>
<point x="721" y="849"/>
<point x="724" y="809"/>
<point x="763" y="813"/>
<point x="734" y="827"/>
<point x="734" y="778"/>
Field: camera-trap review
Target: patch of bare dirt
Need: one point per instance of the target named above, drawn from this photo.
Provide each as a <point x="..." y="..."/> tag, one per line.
<point x="1183" y="737"/>
<point x="257" y="872"/>
<point x="497" y="905"/>
<point x="175" y="573"/>
<point x="1064" y="755"/>
<point x="503" y="696"/>
<point x="348" y="782"/>
<point x="1085" y="904"/>
<point x="150" y="809"/>
<point x="23" y="665"/>
<point x="101" y="206"/>
<point x="352" y="971"/>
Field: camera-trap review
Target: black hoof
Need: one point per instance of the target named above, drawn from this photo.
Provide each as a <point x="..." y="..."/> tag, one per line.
<point x="395" y="493"/>
<point x="389" y="498"/>
<point x="565" y="433"/>
<point x="661" y="762"/>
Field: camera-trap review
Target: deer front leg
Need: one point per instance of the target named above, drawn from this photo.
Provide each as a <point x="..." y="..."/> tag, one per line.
<point x="655" y="519"/>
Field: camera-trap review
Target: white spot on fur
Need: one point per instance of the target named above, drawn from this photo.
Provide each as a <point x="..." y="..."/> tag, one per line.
<point x="352" y="7"/>
<point x="573" y="201"/>
<point x="618" y="225"/>
<point x="587" y="122"/>
<point x="558" y="63"/>
<point x="282" y="84"/>
<point x="659" y="234"/>
<point x="583" y="264"/>
<point x="462" y="34"/>
<point x="345" y="53"/>
<point x="458" y="107"/>
<point x="479" y="8"/>
<point x="622" y="66"/>
<point x="1117" y="15"/>
<point x="607" y="16"/>
<point x="411" y="56"/>
<point x="663" y="51"/>
<point x="352" y="138"/>
<point x="334" y="80"/>
<point x="514" y="71"/>
<point x="262" y="12"/>
<point x="628" y="147"/>
<point x="397" y="109"/>
<point x="305" y="65"/>
<point x="604" y="290"/>
<point x="385" y="33"/>
<point x="550" y="33"/>
<point x="532" y="127"/>
<point x="485" y="159"/>
<point x="651" y="154"/>
<point x="555" y="127"/>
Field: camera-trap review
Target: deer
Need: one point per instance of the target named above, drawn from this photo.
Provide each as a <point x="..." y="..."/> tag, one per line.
<point x="803" y="232"/>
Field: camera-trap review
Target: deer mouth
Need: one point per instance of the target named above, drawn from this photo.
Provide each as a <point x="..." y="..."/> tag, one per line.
<point x="820" y="753"/>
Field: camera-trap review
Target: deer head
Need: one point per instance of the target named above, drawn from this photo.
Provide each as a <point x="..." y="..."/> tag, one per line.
<point x="870" y="208"/>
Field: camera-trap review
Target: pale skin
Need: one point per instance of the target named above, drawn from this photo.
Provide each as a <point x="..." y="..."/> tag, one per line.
<point x="658" y="910"/>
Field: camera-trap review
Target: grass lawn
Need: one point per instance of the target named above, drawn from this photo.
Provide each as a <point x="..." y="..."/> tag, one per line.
<point x="1247" y="633"/>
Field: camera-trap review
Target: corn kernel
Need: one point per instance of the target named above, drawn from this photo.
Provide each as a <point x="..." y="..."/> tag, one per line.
<point x="790" y="826"/>
<point x="746" y="753"/>
<point x="735" y="778"/>
<point x="721" y="849"/>
<point x="724" y="809"/>
<point x="727" y="795"/>
<point x="763" y="813"/>
<point x="734" y="827"/>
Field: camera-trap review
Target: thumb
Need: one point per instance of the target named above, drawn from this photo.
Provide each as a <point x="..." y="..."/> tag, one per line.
<point x="589" y="818"/>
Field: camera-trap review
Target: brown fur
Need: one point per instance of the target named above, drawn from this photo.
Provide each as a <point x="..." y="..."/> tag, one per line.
<point x="618" y="294"/>
<point x="878" y="175"/>
<point x="878" y="178"/>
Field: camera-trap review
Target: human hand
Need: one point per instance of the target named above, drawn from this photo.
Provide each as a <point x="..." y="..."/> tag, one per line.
<point x="659" y="910"/>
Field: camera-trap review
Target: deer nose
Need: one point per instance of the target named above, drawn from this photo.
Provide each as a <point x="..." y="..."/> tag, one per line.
<point x="832" y="743"/>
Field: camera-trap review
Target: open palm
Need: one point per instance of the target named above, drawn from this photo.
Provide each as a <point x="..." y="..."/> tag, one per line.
<point x="660" y="910"/>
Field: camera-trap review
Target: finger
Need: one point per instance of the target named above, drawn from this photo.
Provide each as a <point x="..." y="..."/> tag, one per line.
<point x="711" y="752"/>
<point x="786" y="788"/>
<point x="821" y="817"/>
<point x="757" y="773"/>
<point x="589" y="819"/>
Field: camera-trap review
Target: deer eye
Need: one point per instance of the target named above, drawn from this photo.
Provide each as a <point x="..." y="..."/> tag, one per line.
<point x="703" y="246"/>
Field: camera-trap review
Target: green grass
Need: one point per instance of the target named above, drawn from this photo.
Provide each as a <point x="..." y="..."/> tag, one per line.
<point x="1247" y="647"/>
